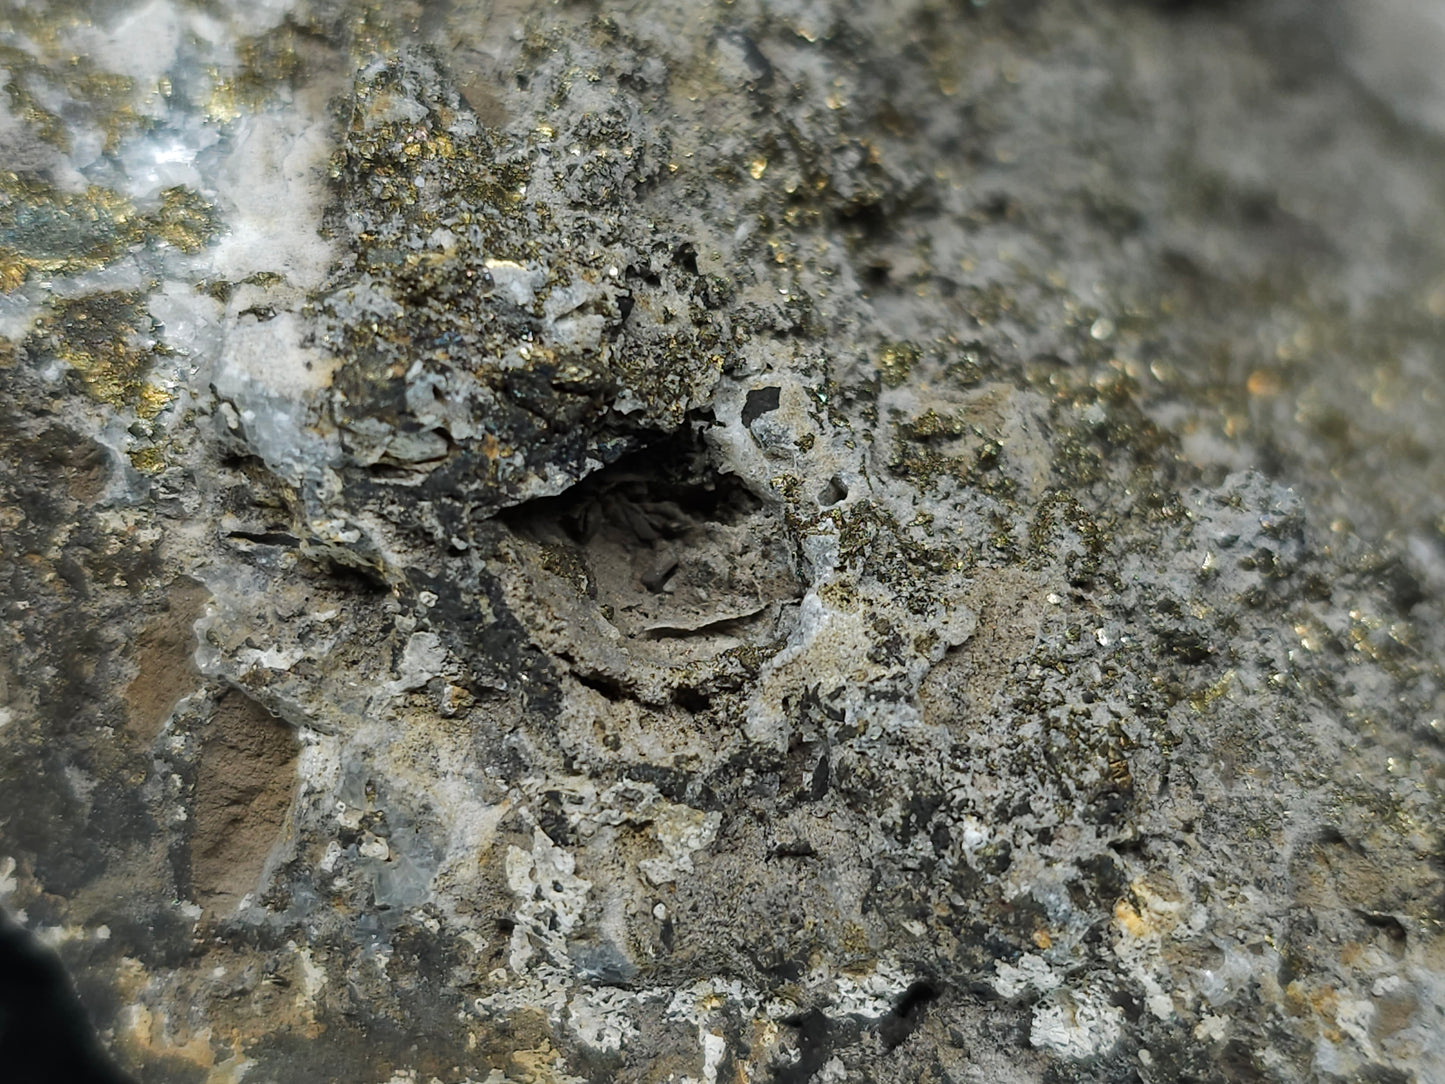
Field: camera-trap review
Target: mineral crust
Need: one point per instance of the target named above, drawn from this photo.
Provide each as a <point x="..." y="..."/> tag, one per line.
<point x="744" y="541"/>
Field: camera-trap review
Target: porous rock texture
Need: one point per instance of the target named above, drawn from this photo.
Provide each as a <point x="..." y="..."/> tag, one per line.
<point x="767" y="540"/>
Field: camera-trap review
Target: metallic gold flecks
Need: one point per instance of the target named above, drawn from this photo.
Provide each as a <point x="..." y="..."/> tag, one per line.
<point x="107" y="339"/>
<point x="45" y="231"/>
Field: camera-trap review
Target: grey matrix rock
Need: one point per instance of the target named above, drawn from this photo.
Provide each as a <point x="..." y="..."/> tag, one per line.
<point x="757" y="541"/>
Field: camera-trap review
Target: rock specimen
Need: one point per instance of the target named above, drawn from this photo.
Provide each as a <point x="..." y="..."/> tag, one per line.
<point x="757" y="541"/>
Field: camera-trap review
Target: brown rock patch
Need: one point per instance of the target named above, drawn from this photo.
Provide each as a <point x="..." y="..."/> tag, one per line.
<point x="962" y="687"/>
<point x="164" y="657"/>
<point x="244" y="788"/>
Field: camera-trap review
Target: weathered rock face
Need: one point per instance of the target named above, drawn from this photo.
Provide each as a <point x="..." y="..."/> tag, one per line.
<point x="777" y="542"/>
<point x="509" y="320"/>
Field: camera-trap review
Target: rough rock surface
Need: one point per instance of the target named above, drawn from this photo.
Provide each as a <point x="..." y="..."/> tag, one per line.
<point x="768" y="540"/>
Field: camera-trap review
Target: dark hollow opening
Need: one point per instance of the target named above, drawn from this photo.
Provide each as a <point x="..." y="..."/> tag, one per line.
<point x="45" y="1035"/>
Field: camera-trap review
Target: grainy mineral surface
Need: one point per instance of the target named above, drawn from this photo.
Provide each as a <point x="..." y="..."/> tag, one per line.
<point x="762" y="540"/>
